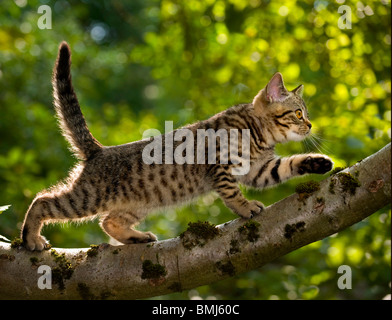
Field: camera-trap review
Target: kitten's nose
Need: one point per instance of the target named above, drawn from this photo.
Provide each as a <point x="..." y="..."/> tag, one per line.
<point x="309" y="125"/>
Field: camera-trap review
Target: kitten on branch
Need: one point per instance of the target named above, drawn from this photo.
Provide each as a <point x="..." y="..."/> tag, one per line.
<point x="123" y="183"/>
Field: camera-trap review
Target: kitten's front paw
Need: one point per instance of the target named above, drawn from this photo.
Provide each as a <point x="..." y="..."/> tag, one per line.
<point x="316" y="163"/>
<point x="37" y="243"/>
<point x="254" y="207"/>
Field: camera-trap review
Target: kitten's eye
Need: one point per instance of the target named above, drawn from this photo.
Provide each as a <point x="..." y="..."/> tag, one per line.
<point x="298" y="113"/>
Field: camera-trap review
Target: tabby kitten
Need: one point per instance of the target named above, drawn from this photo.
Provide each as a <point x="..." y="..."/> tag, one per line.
<point x="115" y="183"/>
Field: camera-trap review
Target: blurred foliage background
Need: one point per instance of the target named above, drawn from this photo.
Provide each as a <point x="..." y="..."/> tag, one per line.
<point x="138" y="63"/>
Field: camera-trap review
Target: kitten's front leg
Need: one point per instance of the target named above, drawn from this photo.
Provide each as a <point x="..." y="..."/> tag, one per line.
<point x="227" y="188"/>
<point x="276" y="170"/>
<point x="301" y="164"/>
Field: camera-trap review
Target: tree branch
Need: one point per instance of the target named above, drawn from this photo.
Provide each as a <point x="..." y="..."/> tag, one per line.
<point x="146" y="270"/>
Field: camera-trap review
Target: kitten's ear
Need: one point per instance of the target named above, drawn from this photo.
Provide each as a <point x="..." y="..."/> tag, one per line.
<point x="275" y="91"/>
<point x="299" y="90"/>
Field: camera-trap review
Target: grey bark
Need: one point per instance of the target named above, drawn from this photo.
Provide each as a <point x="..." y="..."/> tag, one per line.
<point x="146" y="270"/>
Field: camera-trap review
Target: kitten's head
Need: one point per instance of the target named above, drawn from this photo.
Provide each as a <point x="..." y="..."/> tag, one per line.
<point x="285" y="111"/>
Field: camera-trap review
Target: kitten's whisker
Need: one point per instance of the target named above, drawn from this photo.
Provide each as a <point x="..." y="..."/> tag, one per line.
<point x="320" y="143"/>
<point x="307" y="144"/>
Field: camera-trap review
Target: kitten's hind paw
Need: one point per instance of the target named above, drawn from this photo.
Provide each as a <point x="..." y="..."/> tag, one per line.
<point x="37" y="243"/>
<point x="141" y="237"/>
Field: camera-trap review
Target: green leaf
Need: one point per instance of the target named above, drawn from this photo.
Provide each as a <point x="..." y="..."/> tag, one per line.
<point x="3" y="208"/>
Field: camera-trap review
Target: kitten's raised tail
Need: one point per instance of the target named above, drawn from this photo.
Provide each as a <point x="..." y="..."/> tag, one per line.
<point x="71" y="120"/>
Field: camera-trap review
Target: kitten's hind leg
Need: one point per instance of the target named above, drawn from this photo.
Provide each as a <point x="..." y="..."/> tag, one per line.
<point x="52" y="207"/>
<point x="119" y="226"/>
<point x="34" y="220"/>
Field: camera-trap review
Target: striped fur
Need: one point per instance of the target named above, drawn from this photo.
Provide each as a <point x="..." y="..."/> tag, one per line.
<point x="114" y="182"/>
<point x="72" y="123"/>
